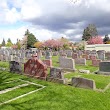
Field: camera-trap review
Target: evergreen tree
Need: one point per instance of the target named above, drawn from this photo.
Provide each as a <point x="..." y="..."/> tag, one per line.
<point x="9" y="40"/>
<point x="89" y="32"/>
<point x="3" y="42"/>
<point x="31" y="39"/>
<point x="9" y="43"/>
<point x="106" y="39"/>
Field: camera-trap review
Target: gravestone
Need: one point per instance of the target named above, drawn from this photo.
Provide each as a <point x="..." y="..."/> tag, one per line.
<point x="107" y="55"/>
<point x="96" y="62"/>
<point x="15" y="67"/>
<point x="92" y="57"/>
<point x="69" y="53"/>
<point x="86" y="56"/>
<point x="87" y="52"/>
<point x="67" y="63"/>
<point x="80" y="61"/>
<point x="74" y="55"/>
<point x="64" y="55"/>
<point x="1" y="58"/>
<point x="47" y="62"/>
<point x="56" y="75"/>
<point x="104" y="67"/>
<point x="83" y="83"/>
<point x="36" y="68"/>
<point x="55" y="53"/>
<point x="101" y="55"/>
<point x="48" y="55"/>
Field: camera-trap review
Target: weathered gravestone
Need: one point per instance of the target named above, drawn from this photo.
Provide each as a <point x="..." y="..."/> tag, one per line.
<point x="104" y="67"/>
<point x="67" y="63"/>
<point x="56" y="75"/>
<point x="86" y="56"/>
<point x="48" y="55"/>
<point x="64" y="55"/>
<point x="87" y="52"/>
<point x="74" y="55"/>
<point x="36" y="68"/>
<point x="92" y="57"/>
<point x="83" y="83"/>
<point x="107" y="55"/>
<point x="55" y="53"/>
<point x="69" y="53"/>
<point x="15" y="67"/>
<point x="1" y="58"/>
<point x="101" y="55"/>
<point x="96" y="62"/>
<point x="80" y="61"/>
<point x="48" y="62"/>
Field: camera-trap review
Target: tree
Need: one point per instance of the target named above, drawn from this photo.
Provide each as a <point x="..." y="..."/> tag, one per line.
<point x="31" y="39"/>
<point x="9" y="40"/>
<point x="95" y="40"/>
<point x="106" y="39"/>
<point x="65" y="42"/>
<point x="89" y="32"/>
<point x="38" y="44"/>
<point x="9" y="43"/>
<point x="53" y="44"/>
<point x="18" y="44"/>
<point x="3" y="42"/>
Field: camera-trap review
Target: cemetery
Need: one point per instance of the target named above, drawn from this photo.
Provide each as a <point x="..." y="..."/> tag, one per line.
<point x="54" y="55"/>
<point x="53" y="78"/>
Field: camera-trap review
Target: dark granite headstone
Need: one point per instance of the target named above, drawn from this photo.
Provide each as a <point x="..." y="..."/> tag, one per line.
<point x="104" y="66"/>
<point x="15" y="67"/>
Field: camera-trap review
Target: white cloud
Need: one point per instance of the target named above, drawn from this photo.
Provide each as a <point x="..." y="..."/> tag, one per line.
<point x="40" y="34"/>
<point x="52" y="15"/>
<point x="12" y="16"/>
<point x="30" y="9"/>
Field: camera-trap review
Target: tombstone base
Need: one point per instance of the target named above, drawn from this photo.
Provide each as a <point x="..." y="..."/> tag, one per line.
<point x="70" y="70"/>
<point x="103" y="73"/>
<point x="38" y="77"/>
<point x="61" y="81"/>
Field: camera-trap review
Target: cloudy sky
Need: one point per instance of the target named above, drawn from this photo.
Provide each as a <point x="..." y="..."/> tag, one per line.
<point x="48" y="19"/>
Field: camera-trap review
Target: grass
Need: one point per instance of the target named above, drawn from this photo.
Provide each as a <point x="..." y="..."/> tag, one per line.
<point x="100" y="80"/>
<point x="17" y="92"/>
<point x="58" y="96"/>
<point x="10" y="85"/>
<point x="55" y="97"/>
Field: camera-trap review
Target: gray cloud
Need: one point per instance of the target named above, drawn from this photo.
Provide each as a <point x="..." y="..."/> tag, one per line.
<point x="60" y="16"/>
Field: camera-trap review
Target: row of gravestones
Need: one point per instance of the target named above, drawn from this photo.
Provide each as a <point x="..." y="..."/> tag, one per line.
<point x="48" y="55"/>
<point x="36" y="68"/>
<point x="10" y="55"/>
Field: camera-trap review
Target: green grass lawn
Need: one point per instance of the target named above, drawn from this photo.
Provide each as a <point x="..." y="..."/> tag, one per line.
<point x="53" y="97"/>
<point x="57" y="96"/>
<point x="10" y="84"/>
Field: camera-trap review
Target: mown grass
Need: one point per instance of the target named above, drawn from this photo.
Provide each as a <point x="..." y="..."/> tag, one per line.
<point x="17" y="92"/>
<point x="61" y="97"/>
<point x="10" y="85"/>
<point x="55" y="97"/>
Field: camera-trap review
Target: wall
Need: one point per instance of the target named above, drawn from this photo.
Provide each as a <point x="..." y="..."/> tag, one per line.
<point x="97" y="47"/>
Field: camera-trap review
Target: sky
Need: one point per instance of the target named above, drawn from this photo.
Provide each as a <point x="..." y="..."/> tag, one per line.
<point x="48" y="19"/>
